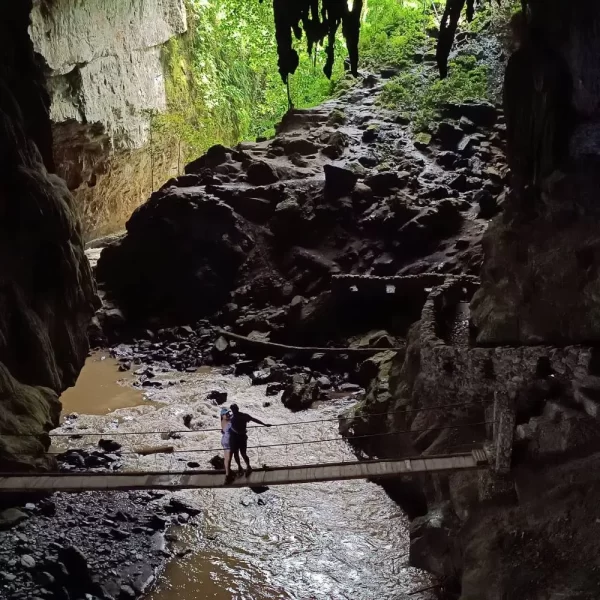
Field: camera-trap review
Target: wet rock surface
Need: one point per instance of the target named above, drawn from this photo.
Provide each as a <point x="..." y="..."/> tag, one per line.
<point x="265" y="225"/>
<point x="95" y="545"/>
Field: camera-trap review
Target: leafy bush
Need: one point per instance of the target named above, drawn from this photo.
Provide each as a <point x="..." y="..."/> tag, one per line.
<point x="222" y="80"/>
<point x="421" y="93"/>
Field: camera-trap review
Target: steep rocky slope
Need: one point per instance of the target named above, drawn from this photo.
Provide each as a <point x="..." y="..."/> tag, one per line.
<point x="530" y="531"/>
<point x="105" y="78"/>
<point x="46" y="286"/>
<point x="259" y="230"/>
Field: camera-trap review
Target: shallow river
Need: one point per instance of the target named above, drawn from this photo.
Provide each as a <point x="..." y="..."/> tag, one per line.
<point x="337" y="540"/>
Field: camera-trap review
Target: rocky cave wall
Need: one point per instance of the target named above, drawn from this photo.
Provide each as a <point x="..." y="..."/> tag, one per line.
<point x="535" y="327"/>
<point x="105" y="79"/>
<point x="46" y="288"/>
<point x="540" y="276"/>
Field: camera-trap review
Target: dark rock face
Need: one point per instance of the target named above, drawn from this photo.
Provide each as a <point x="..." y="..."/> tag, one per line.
<point x="180" y="257"/>
<point x="539" y="279"/>
<point x="46" y="291"/>
<point x="254" y="233"/>
<point x="463" y="523"/>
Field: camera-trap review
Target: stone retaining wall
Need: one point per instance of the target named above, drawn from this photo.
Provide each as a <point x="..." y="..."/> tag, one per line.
<point x="406" y="285"/>
<point x="455" y="374"/>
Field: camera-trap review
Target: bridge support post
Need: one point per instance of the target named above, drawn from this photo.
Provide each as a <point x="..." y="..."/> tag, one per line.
<point x="504" y="430"/>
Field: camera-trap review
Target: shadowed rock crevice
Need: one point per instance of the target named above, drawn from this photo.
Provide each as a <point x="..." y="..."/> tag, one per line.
<point x="46" y="287"/>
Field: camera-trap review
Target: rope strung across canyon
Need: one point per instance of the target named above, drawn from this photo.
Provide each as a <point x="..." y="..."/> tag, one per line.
<point x="307" y="442"/>
<point x="437" y="407"/>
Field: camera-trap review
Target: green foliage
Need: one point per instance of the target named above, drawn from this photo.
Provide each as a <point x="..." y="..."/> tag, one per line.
<point x="395" y="34"/>
<point x="222" y="80"/>
<point x="494" y="15"/>
<point x="223" y="84"/>
<point x="421" y="93"/>
<point x="393" y="31"/>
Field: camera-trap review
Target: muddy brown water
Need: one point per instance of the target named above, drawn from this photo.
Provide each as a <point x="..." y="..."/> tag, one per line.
<point x="101" y="388"/>
<point x="336" y="540"/>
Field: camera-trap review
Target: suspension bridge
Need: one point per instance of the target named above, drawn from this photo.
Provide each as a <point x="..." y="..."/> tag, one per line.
<point x="302" y="466"/>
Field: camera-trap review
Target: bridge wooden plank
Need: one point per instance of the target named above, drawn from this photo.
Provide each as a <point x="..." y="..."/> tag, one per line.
<point x="97" y="484"/>
<point x="68" y="484"/>
<point x="418" y="464"/>
<point x="373" y="469"/>
<point x="215" y="479"/>
<point x="30" y="483"/>
<point x="352" y="471"/>
<point x="443" y="464"/>
<point x="8" y="483"/>
<point x="197" y="480"/>
<point x="384" y="468"/>
<point x="256" y="479"/>
<point x="298" y="475"/>
<point x="277" y="476"/>
<point x="364" y="469"/>
<point x="311" y="474"/>
<point x="334" y="473"/>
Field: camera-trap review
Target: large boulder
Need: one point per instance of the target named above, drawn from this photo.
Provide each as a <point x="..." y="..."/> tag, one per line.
<point x="299" y="395"/>
<point x="215" y="156"/>
<point x="179" y="259"/>
<point x="339" y="181"/>
<point x="432" y="547"/>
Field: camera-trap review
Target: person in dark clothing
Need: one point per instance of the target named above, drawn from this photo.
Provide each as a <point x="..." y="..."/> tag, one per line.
<point x="239" y="435"/>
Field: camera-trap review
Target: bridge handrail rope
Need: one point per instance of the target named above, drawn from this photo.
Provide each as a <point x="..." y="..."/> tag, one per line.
<point x="306" y="442"/>
<point x="288" y="424"/>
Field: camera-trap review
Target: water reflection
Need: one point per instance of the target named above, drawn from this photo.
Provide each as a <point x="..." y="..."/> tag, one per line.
<point x="335" y="540"/>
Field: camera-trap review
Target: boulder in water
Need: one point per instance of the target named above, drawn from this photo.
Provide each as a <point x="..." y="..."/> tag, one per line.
<point x="299" y="396"/>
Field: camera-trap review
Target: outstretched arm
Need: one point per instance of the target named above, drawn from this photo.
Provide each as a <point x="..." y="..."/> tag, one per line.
<point x="259" y="422"/>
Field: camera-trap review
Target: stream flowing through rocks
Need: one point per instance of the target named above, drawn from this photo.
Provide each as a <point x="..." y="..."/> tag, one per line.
<point x="256" y="234"/>
<point x="343" y="540"/>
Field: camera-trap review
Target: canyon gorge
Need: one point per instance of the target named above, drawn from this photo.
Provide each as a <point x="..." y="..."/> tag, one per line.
<point x="396" y="267"/>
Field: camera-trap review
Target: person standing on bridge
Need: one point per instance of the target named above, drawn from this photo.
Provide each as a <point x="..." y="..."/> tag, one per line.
<point x="239" y="435"/>
<point x="226" y="442"/>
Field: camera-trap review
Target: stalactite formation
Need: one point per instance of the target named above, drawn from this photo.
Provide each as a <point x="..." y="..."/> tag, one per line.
<point x="316" y="20"/>
<point x="321" y="19"/>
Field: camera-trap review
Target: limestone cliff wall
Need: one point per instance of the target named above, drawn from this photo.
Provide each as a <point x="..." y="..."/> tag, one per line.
<point x="46" y="288"/>
<point x="540" y="281"/>
<point x="106" y="79"/>
<point x="483" y="533"/>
